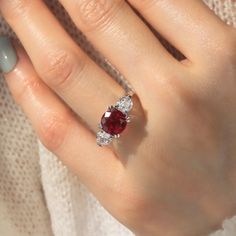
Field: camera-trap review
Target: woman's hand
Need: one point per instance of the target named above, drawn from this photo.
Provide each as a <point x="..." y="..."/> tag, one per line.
<point x="173" y="172"/>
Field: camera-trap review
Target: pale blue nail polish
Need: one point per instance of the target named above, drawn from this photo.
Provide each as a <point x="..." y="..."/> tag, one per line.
<point x="8" y="57"/>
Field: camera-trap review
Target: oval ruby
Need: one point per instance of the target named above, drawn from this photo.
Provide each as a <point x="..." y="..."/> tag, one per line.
<point x="113" y="121"/>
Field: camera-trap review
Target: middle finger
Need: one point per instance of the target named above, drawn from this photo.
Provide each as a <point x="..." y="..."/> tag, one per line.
<point x="114" y="28"/>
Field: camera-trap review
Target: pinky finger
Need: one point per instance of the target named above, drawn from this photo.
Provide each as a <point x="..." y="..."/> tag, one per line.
<point x="59" y="129"/>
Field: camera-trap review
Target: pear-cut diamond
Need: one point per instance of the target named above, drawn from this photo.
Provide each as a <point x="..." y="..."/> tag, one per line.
<point x="103" y="138"/>
<point x="125" y="104"/>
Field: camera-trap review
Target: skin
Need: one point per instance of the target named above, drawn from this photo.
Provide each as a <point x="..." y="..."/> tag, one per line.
<point x="173" y="171"/>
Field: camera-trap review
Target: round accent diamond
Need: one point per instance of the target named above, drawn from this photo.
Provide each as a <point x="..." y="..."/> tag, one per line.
<point x="103" y="138"/>
<point x="113" y="121"/>
<point x="125" y="104"/>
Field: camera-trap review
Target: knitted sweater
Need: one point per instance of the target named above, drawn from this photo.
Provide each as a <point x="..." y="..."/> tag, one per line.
<point x="38" y="195"/>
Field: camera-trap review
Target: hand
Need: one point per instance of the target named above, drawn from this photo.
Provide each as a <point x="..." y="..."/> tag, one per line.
<point x="173" y="171"/>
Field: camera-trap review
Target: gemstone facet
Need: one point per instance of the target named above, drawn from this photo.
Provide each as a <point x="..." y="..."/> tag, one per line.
<point x="125" y="104"/>
<point x="103" y="138"/>
<point x="113" y="121"/>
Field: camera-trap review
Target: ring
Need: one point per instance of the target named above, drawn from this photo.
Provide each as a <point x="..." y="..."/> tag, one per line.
<point x="114" y="120"/>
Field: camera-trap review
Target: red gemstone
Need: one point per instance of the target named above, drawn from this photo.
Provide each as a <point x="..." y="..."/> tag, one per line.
<point x="113" y="121"/>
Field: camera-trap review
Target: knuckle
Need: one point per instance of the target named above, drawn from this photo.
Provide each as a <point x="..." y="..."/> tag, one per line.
<point x="52" y="130"/>
<point x="60" y="67"/>
<point x="129" y="204"/>
<point x="132" y="209"/>
<point x="97" y="13"/>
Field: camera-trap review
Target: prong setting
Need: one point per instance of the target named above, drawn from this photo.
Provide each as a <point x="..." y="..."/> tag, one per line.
<point x="110" y="108"/>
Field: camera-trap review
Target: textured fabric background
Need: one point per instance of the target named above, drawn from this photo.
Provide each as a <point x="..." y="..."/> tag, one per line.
<point x="38" y="195"/>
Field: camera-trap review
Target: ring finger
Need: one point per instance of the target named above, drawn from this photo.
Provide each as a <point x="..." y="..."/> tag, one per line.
<point x="58" y="128"/>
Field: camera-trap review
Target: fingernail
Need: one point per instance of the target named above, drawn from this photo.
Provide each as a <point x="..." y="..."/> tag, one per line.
<point x="8" y="57"/>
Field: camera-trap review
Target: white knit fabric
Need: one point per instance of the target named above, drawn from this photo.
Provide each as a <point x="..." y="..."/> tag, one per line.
<point x="38" y="195"/>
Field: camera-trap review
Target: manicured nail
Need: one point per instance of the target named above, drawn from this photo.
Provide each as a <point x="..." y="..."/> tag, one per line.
<point x="8" y="57"/>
